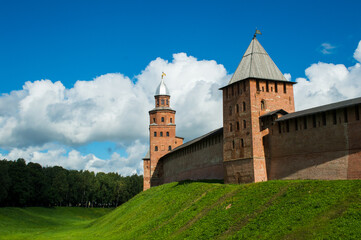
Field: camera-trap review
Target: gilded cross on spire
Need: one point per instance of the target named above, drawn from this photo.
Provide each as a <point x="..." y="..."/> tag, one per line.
<point x="163" y="74"/>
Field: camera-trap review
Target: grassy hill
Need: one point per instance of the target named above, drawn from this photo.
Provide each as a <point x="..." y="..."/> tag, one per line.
<point x="198" y="210"/>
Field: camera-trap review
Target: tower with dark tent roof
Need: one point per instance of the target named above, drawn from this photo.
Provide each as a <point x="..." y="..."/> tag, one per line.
<point x="256" y="88"/>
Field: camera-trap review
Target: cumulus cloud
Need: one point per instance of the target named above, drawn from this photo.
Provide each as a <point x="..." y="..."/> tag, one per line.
<point x="111" y="107"/>
<point x="327" y="48"/>
<point x="328" y="82"/>
<point x="287" y="76"/>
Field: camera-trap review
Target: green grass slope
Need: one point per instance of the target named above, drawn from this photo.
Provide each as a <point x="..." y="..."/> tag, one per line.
<point x="196" y="210"/>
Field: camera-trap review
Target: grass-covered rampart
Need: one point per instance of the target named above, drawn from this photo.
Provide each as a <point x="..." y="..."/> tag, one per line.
<point x="198" y="210"/>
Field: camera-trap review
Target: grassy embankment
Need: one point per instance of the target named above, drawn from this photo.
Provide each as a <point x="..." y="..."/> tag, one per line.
<point x="269" y="210"/>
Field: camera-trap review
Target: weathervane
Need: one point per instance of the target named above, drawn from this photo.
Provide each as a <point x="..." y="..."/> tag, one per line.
<point x="257" y="32"/>
<point x="163" y="74"/>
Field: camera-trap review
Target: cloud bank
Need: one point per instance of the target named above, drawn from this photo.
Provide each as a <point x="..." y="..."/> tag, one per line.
<point x="45" y="122"/>
<point x="328" y="82"/>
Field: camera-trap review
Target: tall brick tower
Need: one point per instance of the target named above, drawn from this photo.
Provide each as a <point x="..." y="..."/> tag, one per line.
<point x="257" y="88"/>
<point x="162" y="136"/>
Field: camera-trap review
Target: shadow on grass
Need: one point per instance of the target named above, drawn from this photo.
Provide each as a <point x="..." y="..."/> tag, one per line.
<point x="188" y="181"/>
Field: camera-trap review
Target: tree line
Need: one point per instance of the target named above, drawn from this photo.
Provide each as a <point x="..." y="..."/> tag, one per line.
<point x="31" y="184"/>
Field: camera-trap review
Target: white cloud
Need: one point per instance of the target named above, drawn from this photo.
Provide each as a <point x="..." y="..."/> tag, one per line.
<point x="327" y="48"/>
<point x="357" y="54"/>
<point x="328" y="82"/>
<point x="287" y="76"/>
<point x="111" y="107"/>
<point x="44" y="121"/>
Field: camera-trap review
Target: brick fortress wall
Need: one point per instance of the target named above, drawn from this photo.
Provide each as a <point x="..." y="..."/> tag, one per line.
<point x="319" y="146"/>
<point x="202" y="159"/>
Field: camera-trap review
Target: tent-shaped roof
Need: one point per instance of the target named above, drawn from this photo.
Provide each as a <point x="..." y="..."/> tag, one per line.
<point x="256" y="63"/>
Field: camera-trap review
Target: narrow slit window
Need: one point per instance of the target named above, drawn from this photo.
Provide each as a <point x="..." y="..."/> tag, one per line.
<point x="257" y="85"/>
<point x="242" y="142"/>
<point x="244" y="124"/>
<point x="156" y="148"/>
<point x="345" y="115"/>
<point x="230" y="111"/>
<point x="276" y="88"/>
<point x="314" y="121"/>
<point x="284" y="88"/>
<point x="296" y="124"/>
<point x="324" y="119"/>
<point x="357" y="113"/>
<point x="334" y="115"/>
<point x="230" y="127"/>
<point x="244" y="106"/>
<point x="305" y="123"/>
<point x="267" y="87"/>
<point x="171" y="120"/>
<point x="237" y="126"/>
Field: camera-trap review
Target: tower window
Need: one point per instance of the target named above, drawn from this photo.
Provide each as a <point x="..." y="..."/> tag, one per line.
<point x="296" y="124"/>
<point x="267" y="87"/>
<point x="232" y="90"/>
<point x="244" y="124"/>
<point x="262" y="105"/>
<point x="157" y="102"/>
<point x="155" y="134"/>
<point x="233" y="144"/>
<point x="162" y="101"/>
<point x="238" y="88"/>
<point x="305" y="123"/>
<point x="230" y="127"/>
<point x="287" y="126"/>
<point x="161" y="134"/>
<point x="284" y="88"/>
<point x="169" y="148"/>
<point x="324" y="119"/>
<point x="244" y="106"/>
<point x="154" y="120"/>
<point x="242" y="142"/>
<point x="167" y="134"/>
<point x="334" y="117"/>
<point x="237" y="108"/>
<point x="230" y="111"/>
<point x="257" y="85"/>
<point x="345" y="115"/>
<point x="237" y="126"/>
<point x="276" y="88"/>
<point x="162" y="119"/>
<point x="156" y="148"/>
<point x="244" y="86"/>
<point x="167" y="101"/>
<point x="171" y="120"/>
<point x="262" y="89"/>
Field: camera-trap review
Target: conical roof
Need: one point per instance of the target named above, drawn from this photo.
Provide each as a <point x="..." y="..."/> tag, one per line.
<point x="256" y="63"/>
<point x="162" y="89"/>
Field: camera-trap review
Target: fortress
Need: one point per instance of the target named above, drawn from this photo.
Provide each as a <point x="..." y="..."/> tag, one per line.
<point x="262" y="138"/>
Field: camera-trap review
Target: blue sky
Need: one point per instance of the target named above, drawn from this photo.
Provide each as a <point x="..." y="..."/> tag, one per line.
<point x="68" y="41"/>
